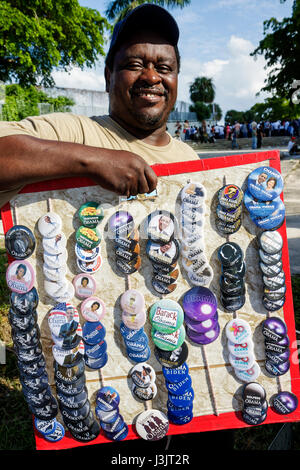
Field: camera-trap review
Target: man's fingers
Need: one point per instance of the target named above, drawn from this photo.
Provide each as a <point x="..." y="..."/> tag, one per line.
<point x="151" y="179"/>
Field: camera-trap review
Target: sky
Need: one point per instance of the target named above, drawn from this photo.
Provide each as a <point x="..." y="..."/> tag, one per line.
<point x="216" y="39"/>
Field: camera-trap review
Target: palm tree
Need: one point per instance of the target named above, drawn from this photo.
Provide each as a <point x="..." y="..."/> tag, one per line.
<point x="202" y="89"/>
<point x="117" y="9"/>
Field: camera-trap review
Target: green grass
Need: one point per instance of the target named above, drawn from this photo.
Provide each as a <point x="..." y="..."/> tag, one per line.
<point x="16" y="429"/>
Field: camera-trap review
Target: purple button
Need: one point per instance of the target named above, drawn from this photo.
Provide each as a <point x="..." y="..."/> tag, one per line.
<point x="204" y="338"/>
<point x="203" y="326"/>
<point x="285" y="403"/>
<point x="199" y="303"/>
<point x="274" y="329"/>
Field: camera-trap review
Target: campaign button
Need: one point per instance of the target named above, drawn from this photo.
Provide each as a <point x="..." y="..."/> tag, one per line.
<point x="69" y="375"/>
<point x="227" y="228"/>
<point x="55" y="245"/>
<point x="277" y="348"/>
<point x="29" y="355"/>
<point x="259" y="208"/>
<point x="88" y="238"/>
<point x="130" y="243"/>
<point x="93" y="309"/>
<point x="80" y="426"/>
<point x="267" y="258"/>
<point x="275" y="294"/>
<point x="22" y="322"/>
<point x="95" y="351"/>
<point x="229" y="215"/>
<point x="230" y="196"/>
<point x="57" y="434"/>
<point x="90" y="267"/>
<point x="253" y="420"/>
<point x="274" y="329"/>
<point x="276" y="370"/>
<point x="166" y="316"/>
<point x="129" y="267"/>
<point x="84" y="285"/>
<point x="119" y="435"/>
<point x="161" y="287"/>
<point x="45" y="426"/>
<point x="152" y="425"/>
<point x="284" y="403"/>
<point x="142" y="375"/>
<point x="204" y="338"/>
<point x="183" y="399"/>
<point x="233" y="303"/>
<point x="86" y="255"/>
<point x="230" y="254"/>
<point x="107" y="398"/>
<point x="180" y="420"/>
<point x="168" y="341"/>
<point x="192" y="227"/>
<point x="137" y="345"/>
<point x="89" y="435"/>
<point x="178" y="388"/>
<point x="129" y="334"/>
<point x="167" y="279"/>
<point x="276" y="282"/>
<point x="139" y="356"/>
<point x="172" y="359"/>
<point x="108" y="417"/>
<point x="34" y="384"/>
<point x="90" y="214"/>
<point x="75" y="414"/>
<point x="193" y="194"/>
<point x="20" y="242"/>
<point x="165" y="254"/>
<point x="271" y="270"/>
<point x="273" y="221"/>
<point x="179" y="410"/>
<point x="238" y="331"/>
<point x="50" y="225"/>
<point x="204" y="326"/>
<point x="163" y="268"/>
<point x="73" y="401"/>
<point x="121" y="224"/>
<point x="132" y="301"/>
<point x="24" y="304"/>
<point x="45" y="412"/>
<point x="63" y="320"/>
<point x="71" y="389"/>
<point x="242" y="363"/>
<point x="231" y="288"/>
<point x="176" y="374"/>
<point x="127" y="256"/>
<point x="191" y="214"/>
<point x="271" y="241"/>
<point x="20" y="277"/>
<point x="114" y="426"/>
<point x="26" y="339"/>
<point x="55" y="261"/>
<point x="195" y="265"/>
<point x="134" y="321"/>
<point x="59" y="291"/>
<point x="249" y="375"/>
<point x="265" y="183"/>
<point x="93" y="332"/>
<point x="199" y="303"/>
<point x="192" y="253"/>
<point x="68" y="357"/>
<point x="234" y="273"/>
<point x="38" y="399"/>
<point x="253" y="394"/>
<point x="240" y="350"/>
<point x="55" y="275"/>
<point x="256" y="411"/>
<point x="273" y="305"/>
<point x="34" y="368"/>
<point x="277" y="358"/>
<point x="144" y="394"/>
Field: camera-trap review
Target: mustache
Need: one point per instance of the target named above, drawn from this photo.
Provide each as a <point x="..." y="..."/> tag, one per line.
<point x="148" y="89"/>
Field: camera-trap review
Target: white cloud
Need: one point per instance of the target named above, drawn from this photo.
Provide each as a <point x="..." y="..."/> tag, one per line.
<point x="88" y="79"/>
<point x="237" y="79"/>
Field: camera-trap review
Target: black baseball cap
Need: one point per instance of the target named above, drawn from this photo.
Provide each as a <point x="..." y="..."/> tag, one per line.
<point x="146" y="16"/>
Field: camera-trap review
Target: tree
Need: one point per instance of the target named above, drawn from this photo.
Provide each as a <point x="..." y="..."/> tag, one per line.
<point x="202" y="89"/>
<point x="201" y="109"/>
<point x="118" y="9"/>
<point x="22" y="102"/>
<point x="281" y="49"/>
<point x="39" y="36"/>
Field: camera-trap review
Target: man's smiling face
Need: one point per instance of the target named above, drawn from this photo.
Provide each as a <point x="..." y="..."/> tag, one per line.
<point x="143" y="83"/>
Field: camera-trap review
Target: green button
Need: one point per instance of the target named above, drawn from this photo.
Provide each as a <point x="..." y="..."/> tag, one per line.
<point x="88" y="238"/>
<point x="166" y="316"/>
<point x="168" y="341"/>
<point x="91" y="214"/>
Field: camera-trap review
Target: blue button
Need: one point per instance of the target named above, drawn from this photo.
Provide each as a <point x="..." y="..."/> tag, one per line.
<point x="137" y="345"/>
<point x="179" y="410"/>
<point x="182" y="400"/>
<point x="95" y="351"/>
<point x="181" y="387"/>
<point x="118" y="435"/>
<point x="57" y="434"/>
<point x="107" y="398"/>
<point x="96" y="363"/>
<point x="180" y="419"/>
<point x="265" y="183"/>
<point x="140" y="356"/>
<point x="93" y="332"/>
<point x="260" y="208"/>
<point x="272" y="221"/>
<point x="129" y="334"/>
<point x="115" y="426"/>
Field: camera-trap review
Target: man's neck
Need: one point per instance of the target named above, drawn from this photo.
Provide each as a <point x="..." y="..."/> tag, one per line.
<point x="157" y="137"/>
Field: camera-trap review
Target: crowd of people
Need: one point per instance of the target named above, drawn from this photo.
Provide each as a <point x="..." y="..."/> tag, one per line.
<point x="206" y="133"/>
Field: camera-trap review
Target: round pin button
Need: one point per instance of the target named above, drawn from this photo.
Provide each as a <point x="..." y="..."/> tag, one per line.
<point x="204" y="326"/>
<point x="45" y="426"/>
<point x="271" y="241"/>
<point x="175" y="374"/>
<point x="182" y="400"/>
<point x="50" y="225"/>
<point x="161" y="287"/>
<point x="90" y="267"/>
<point x="107" y="417"/>
<point x="119" y="435"/>
<point x="277" y="370"/>
<point x="227" y="228"/>
<point x="230" y="196"/>
<point x="63" y="320"/>
<point x="134" y="321"/>
<point x="87" y="255"/>
<point x="20" y="276"/>
<point x="68" y="375"/>
<point x="55" y="261"/>
<point x="20" y="242"/>
<point x="55" y="245"/>
<point x="138" y="344"/>
<point x="121" y="224"/>
<point x="75" y="414"/>
<point x="242" y="349"/>
<point x="172" y="359"/>
<point x="229" y="215"/>
<point x="132" y="301"/>
<point x="93" y="309"/>
<point x="160" y="226"/>
<point x="278" y="358"/>
<point x="268" y="258"/>
<point x="130" y="334"/>
<point x="276" y="282"/>
<point x="146" y="393"/>
<point x="84" y="285"/>
<point x="199" y="303"/>
<point x="274" y="329"/>
<point x="61" y="291"/>
<point x="55" y="275"/>
<point x="271" y="270"/>
<point x="258" y="208"/>
<point x="238" y="330"/>
<point x="88" y="435"/>
<point x="230" y="254"/>
<point x="24" y="304"/>
<point x="253" y="394"/>
<point x="139" y="356"/>
<point x="152" y="425"/>
<point x="265" y="183"/>
<point x="249" y="375"/>
<point x="204" y="338"/>
<point x="272" y="221"/>
<point x="68" y="357"/>
<point x="90" y="214"/>
<point x="285" y="402"/>
<point x="242" y="363"/>
<point x="142" y="375"/>
<point x="164" y="254"/>
<point x="193" y="194"/>
<point x="107" y="398"/>
<point x="97" y="363"/>
<point x="168" y="341"/>
<point x="93" y="332"/>
<point x="166" y="316"/>
<point x="179" y="388"/>
<point x="129" y="267"/>
<point x="273" y="305"/>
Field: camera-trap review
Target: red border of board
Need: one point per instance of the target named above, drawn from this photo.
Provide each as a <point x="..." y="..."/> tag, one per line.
<point x="230" y="420"/>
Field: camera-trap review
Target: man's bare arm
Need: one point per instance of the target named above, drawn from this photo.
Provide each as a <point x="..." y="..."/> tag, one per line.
<point x="25" y="159"/>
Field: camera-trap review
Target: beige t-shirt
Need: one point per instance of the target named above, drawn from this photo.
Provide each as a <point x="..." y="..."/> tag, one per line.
<point x="99" y="131"/>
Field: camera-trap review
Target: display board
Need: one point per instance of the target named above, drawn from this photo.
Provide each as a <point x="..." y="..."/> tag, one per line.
<point x="217" y="400"/>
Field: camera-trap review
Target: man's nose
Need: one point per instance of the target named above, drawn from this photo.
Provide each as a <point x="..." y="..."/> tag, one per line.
<point x="150" y="75"/>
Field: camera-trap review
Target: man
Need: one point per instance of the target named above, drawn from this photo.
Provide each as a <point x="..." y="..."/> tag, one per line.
<point x="254" y="134"/>
<point x="116" y="151"/>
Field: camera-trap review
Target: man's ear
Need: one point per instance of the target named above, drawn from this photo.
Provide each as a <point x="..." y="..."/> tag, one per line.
<point x="107" y="78"/>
